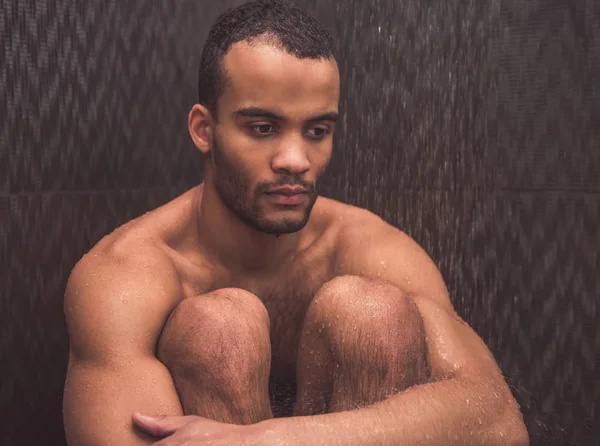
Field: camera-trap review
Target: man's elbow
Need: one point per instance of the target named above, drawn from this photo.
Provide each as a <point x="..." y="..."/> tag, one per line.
<point x="511" y="428"/>
<point x="517" y="436"/>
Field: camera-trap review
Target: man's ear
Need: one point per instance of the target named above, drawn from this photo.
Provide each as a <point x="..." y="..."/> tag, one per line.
<point x="200" y="126"/>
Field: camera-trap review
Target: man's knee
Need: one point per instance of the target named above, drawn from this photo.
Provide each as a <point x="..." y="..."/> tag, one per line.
<point x="361" y="298"/>
<point x="356" y="310"/>
<point x="227" y="329"/>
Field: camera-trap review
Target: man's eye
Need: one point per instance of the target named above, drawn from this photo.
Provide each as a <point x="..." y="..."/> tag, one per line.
<point x="318" y="132"/>
<point x="263" y="129"/>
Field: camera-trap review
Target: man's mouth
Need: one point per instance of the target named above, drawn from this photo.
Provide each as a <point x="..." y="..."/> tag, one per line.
<point x="288" y="191"/>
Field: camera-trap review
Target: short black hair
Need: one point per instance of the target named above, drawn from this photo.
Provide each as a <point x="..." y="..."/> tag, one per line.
<point x="283" y="24"/>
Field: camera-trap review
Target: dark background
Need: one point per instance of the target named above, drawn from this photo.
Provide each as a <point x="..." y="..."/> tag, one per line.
<point x="470" y="124"/>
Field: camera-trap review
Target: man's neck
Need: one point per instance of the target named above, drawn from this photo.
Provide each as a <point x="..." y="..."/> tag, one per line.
<point x="235" y="245"/>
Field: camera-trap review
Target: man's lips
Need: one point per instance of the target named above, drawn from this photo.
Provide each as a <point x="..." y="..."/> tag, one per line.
<point x="288" y="191"/>
<point x="289" y="196"/>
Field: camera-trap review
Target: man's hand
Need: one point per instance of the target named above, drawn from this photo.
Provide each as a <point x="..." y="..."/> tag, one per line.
<point x="196" y="431"/>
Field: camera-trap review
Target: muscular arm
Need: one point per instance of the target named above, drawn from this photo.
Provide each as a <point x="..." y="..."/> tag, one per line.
<point x="468" y="402"/>
<point x="115" y="309"/>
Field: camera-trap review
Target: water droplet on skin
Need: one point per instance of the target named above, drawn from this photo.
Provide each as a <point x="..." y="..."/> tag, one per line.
<point x="354" y="327"/>
<point x="154" y="381"/>
<point x="338" y="316"/>
<point x="125" y="301"/>
<point x="468" y="402"/>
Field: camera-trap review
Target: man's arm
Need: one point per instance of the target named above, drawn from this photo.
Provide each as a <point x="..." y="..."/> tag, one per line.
<point x="468" y="402"/>
<point x="115" y="309"/>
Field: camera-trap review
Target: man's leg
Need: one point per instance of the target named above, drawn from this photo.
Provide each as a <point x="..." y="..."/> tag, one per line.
<point x="217" y="349"/>
<point x="362" y="341"/>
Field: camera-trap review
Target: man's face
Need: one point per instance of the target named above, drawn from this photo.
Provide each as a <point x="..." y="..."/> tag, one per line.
<point x="274" y="137"/>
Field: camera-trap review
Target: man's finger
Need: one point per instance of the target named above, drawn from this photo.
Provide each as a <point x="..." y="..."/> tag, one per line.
<point x="162" y="426"/>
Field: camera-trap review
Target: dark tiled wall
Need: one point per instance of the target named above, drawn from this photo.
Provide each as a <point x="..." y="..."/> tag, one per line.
<point x="472" y="125"/>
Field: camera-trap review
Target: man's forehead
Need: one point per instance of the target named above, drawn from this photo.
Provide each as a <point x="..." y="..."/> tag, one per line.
<point x="259" y="69"/>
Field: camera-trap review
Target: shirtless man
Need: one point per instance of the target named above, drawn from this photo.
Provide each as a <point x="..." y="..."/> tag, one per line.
<point x="182" y="321"/>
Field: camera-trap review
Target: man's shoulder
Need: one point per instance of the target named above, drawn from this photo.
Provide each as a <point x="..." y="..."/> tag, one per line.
<point x="355" y="225"/>
<point x="129" y="261"/>
<point x="117" y="291"/>
<point x="128" y="244"/>
<point x="362" y="236"/>
<point x="345" y="214"/>
<point x="142" y="239"/>
<point x="118" y="301"/>
<point x="369" y="246"/>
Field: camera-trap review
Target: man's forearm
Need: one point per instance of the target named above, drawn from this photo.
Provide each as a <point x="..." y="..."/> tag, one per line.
<point x="451" y="412"/>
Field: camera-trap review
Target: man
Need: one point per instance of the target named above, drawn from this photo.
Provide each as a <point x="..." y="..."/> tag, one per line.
<point x="182" y="321"/>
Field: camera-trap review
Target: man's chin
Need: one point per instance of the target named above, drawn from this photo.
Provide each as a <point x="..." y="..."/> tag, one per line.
<point x="280" y="227"/>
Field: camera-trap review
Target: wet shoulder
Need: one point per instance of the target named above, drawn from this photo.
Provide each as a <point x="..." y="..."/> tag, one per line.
<point x="345" y="217"/>
<point x="149" y="233"/>
<point x="138" y="252"/>
<point x="128" y="266"/>
<point x="358" y="231"/>
<point x="350" y="225"/>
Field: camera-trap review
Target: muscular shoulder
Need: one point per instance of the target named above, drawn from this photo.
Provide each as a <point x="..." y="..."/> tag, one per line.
<point x="120" y="294"/>
<point x="363" y="234"/>
<point x="139" y="249"/>
<point x="369" y="246"/>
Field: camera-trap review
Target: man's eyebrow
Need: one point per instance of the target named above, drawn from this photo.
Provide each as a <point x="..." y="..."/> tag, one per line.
<point x="257" y="112"/>
<point x="331" y="116"/>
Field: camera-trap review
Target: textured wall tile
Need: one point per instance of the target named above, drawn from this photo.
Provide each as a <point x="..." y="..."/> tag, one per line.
<point x="548" y="260"/>
<point x="95" y="95"/>
<point x="416" y="82"/>
<point x="548" y="95"/>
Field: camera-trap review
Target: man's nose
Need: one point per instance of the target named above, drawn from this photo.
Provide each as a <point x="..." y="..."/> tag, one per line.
<point x="291" y="158"/>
